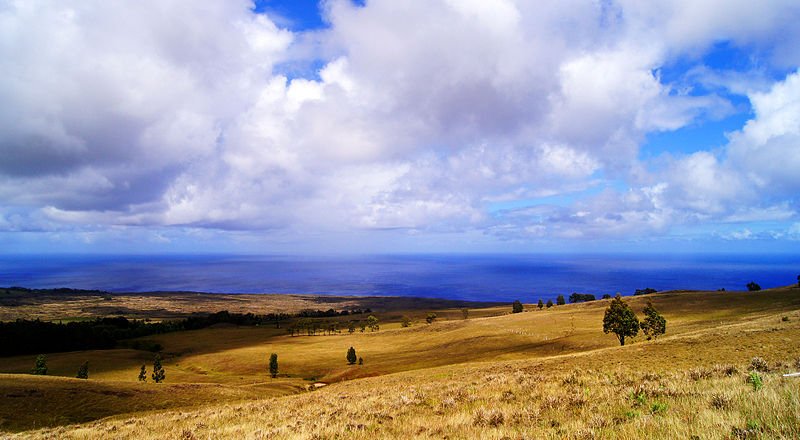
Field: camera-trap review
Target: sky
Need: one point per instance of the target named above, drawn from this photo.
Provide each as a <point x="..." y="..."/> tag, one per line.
<point x="380" y="126"/>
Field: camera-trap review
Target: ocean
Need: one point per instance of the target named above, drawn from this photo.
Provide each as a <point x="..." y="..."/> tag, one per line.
<point x="468" y="277"/>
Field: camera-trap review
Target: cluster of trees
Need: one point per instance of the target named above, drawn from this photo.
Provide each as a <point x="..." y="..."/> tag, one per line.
<point x="752" y="286"/>
<point x="581" y="297"/>
<point x="35" y="336"/>
<point x="645" y="291"/>
<point x="312" y="327"/>
<point x="622" y="321"/>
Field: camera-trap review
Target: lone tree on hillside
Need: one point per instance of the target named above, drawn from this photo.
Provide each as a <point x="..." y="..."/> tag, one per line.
<point x="40" y="367"/>
<point x="620" y="320"/>
<point x="516" y="307"/>
<point x="540" y="305"/>
<point x="752" y="286"/>
<point x="560" y="300"/>
<point x="351" y="356"/>
<point x="372" y="323"/>
<point x="465" y="311"/>
<point x="158" y="371"/>
<point x="83" y="371"/>
<point x="273" y="365"/>
<point x="143" y="374"/>
<point x="549" y="303"/>
<point x="430" y="318"/>
<point x="654" y="325"/>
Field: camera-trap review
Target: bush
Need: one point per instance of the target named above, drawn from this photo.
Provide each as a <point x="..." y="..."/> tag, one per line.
<point x="645" y="291"/>
<point x="758" y="364"/>
<point x="720" y="401"/>
<point x="516" y="307"/>
<point x="273" y="365"/>
<point x="143" y="374"/>
<point x="540" y="304"/>
<point x="549" y="303"/>
<point x="755" y="379"/>
<point x="405" y="322"/>
<point x="351" y="356"/>
<point x="83" y="371"/>
<point x="752" y="286"/>
<point x="606" y="296"/>
<point x="560" y="300"/>
<point x="785" y="319"/>
<point x="430" y="318"/>
<point x="372" y="323"/>
<point x="158" y="371"/>
<point x="40" y="367"/>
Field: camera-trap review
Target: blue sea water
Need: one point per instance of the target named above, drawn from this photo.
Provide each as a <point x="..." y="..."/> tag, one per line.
<point x="468" y="277"/>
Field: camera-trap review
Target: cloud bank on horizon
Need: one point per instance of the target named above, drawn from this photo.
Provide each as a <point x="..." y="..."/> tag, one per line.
<point x="413" y="125"/>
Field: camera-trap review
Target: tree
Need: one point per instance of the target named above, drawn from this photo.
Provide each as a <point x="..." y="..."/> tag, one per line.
<point x="465" y="312"/>
<point x="40" y="367"/>
<point x="606" y="296"/>
<point x="273" y="365"/>
<point x="560" y="300"/>
<point x="620" y="320"/>
<point x="83" y="371"/>
<point x="549" y="303"/>
<point x="753" y="286"/>
<point x="143" y="374"/>
<point x="430" y="318"/>
<point x="360" y="361"/>
<point x="653" y="325"/>
<point x="540" y="305"/>
<point x="405" y="322"/>
<point x="372" y="323"/>
<point x="581" y="297"/>
<point x="516" y="307"/>
<point x="351" y="326"/>
<point x="645" y="291"/>
<point x="158" y="371"/>
<point x="351" y="356"/>
<point x="362" y="325"/>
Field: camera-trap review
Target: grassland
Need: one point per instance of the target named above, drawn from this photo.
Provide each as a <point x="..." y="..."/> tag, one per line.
<point x="539" y="374"/>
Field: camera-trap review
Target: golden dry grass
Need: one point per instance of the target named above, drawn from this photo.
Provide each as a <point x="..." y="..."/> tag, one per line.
<point x="539" y="374"/>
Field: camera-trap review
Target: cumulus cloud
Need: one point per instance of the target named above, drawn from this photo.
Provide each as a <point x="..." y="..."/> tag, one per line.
<point x="169" y="113"/>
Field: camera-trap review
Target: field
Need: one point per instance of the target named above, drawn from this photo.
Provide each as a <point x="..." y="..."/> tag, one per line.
<point x="548" y="373"/>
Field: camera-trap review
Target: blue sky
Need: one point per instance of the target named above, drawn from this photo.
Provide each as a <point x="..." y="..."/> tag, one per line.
<point x="381" y="126"/>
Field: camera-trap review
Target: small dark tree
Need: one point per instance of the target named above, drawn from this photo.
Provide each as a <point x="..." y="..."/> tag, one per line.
<point x="360" y="361"/>
<point x="653" y="325"/>
<point x="620" y="320"/>
<point x="753" y="286"/>
<point x="549" y="303"/>
<point x="351" y="356"/>
<point x="465" y="312"/>
<point x="560" y="300"/>
<point x="516" y="307"/>
<point x="606" y="296"/>
<point x="430" y="318"/>
<point x="158" y="371"/>
<point x="83" y="371"/>
<point x="273" y="365"/>
<point x="540" y="304"/>
<point x="143" y="374"/>
<point x="40" y="367"/>
<point x="645" y="291"/>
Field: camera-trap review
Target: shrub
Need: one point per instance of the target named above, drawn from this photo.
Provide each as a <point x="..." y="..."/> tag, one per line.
<point x="620" y="320"/>
<point x="540" y="304"/>
<point x="465" y="313"/>
<point x="755" y="380"/>
<point x="143" y="374"/>
<point x="40" y="367"/>
<point x="645" y="291"/>
<point x="720" y="401"/>
<point x="785" y="319"/>
<point x="560" y="300"/>
<point x="360" y="361"/>
<point x="372" y="323"/>
<point x="516" y="307"/>
<point x="606" y="296"/>
<point x="405" y="322"/>
<point x="351" y="356"/>
<point x="549" y="303"/>
<point x="430" y="318"/>
<point x="752" y="286"/>
<point x="759" y="364"/>
<point x="158" y="371"/>
<point x="659" y="408"/>
<point x="83" y="371"/>
<point x="273" y="365"/>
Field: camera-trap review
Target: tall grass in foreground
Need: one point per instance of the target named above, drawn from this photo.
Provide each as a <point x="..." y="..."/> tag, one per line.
<point x="500" y="402"/>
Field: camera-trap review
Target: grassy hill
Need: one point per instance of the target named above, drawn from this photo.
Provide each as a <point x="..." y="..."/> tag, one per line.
<point x="539" y="374"/>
